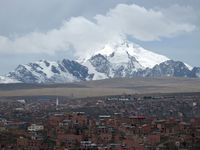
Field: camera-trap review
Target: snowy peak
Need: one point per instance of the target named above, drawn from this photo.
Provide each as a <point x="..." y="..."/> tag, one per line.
<point x="121" y="59"/>
<point x="50" y="72"/>
<point x="115" y="65"/>
<point x="122" y="48"/>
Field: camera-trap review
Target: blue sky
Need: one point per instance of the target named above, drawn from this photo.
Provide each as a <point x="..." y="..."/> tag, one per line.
<point x="31" y="30"/>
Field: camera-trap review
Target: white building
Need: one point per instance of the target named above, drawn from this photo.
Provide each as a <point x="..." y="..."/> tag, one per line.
<point x="35" y="127"/>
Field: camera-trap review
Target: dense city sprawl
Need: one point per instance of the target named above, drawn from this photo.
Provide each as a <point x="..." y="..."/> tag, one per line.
<point x="123" y="122"/>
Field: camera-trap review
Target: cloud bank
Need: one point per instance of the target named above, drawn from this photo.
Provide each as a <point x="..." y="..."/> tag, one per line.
<point x="85" y="36"/>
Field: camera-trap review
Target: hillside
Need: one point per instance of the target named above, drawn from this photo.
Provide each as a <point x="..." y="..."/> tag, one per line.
<point x="105" y="87"/>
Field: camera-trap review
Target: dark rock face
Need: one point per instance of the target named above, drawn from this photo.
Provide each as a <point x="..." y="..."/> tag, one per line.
<point x="76" y="69"/>
<point x="47" y="63"/>
<point x="195" y="73"/>
<point x="101" y="64"/>
<point x="55" y="70"/>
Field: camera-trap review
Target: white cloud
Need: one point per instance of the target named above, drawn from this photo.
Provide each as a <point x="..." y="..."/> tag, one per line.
<point x="182" y="14"/>
<point x="87" y="35"/>
<point x="142" y="24"/>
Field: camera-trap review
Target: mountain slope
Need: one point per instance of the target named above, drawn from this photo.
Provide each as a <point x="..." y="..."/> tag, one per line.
<point x="5" y="80"/>
<point x="195" y="72"/>
<point x="114" y="60"/>
<point x="50" y="72"/>
<point x="123" y="49"/>
<point x="121" y="59"/>
<point x="169" y="68"/>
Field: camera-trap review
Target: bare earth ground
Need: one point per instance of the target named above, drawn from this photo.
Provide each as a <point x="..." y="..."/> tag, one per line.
<point x="106" y="87"/>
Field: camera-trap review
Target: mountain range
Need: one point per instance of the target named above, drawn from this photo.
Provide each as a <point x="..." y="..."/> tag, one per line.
<point x="115" y="60"/>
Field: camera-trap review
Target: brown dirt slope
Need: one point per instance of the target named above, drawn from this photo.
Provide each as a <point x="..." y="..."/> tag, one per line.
<point x="106" y="87"/>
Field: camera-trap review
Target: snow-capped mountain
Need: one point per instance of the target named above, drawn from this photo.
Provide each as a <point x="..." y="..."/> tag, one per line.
<point x="169" y="68"/>
<point x="5" y="80"/>
<point x="45" y="71"/>
<point x="121" y="59"/>
<point x="195" y="72"/>
<point x="122" y="51"/>
<point x="116" y="59"/>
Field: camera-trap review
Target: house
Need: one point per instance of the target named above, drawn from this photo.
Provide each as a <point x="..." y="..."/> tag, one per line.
<point x="35" y="127"/>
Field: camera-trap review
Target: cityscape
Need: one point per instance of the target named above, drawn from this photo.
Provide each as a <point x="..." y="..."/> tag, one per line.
<point x="129" y="122"/>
